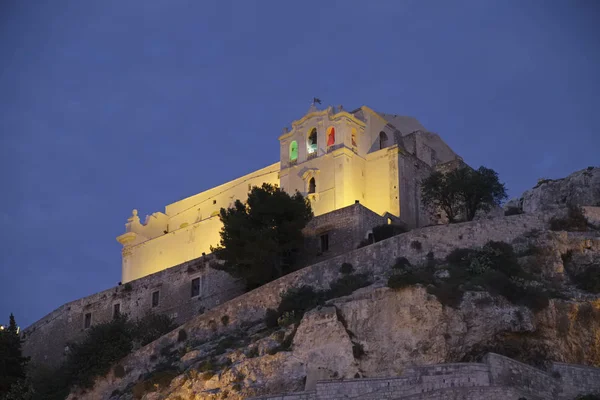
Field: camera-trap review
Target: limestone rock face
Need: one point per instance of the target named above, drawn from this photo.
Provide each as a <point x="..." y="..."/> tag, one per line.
<point x="592" y="215"/>
<point x="410" y="327"/>
<point x="379" y="332"/>
<point x="397" y="329"/>
<point x="323" y="343"/>
<point x="581" y="188"/>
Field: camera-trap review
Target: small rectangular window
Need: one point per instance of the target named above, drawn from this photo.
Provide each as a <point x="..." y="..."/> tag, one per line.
<point x="195" y="287"/>
<point x="116" y="310"/>
<point x="324" y="242"/>
<point x="88" y="320"/>
<point x="155" y="298"/>
<point x="214" y="202"/>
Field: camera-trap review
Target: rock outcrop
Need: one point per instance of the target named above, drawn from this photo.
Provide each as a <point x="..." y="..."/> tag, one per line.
<point x="378" y="332"/>
<point x="581" y="188"/>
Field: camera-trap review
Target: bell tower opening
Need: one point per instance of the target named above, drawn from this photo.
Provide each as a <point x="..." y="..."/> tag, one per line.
<point x="383" y="140"/>
<point x="330" y="136"/>
<point x="311" y="143"/>
<point x="312" y="186"/>
<point x="293" y="151"/>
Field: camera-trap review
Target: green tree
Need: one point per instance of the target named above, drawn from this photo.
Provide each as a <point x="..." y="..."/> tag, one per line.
<point x="260" y="238"/>
<point x="463" y="192"/>
<point x="152" y="326"/>
<point x="103" y="345"/>
<point x="20" y="390"/>
<point x="12" y="362"/>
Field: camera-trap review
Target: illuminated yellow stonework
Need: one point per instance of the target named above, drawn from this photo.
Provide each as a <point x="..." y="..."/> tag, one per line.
<point x="354" y="168"/>
<point x="186" y="229"/>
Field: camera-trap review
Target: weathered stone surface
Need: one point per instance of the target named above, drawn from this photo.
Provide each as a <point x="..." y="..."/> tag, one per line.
<point x="592" y="215"/>
<point x="399" y="330"/>
<point x="322" y="342"/>
<point x="411" y="327"/>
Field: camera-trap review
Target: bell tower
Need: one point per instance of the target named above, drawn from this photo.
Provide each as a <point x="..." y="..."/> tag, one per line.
<point x="319" y="158"/>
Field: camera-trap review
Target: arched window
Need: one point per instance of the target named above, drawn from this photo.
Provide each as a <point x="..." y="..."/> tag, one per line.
<point x="311" y="143"/>
<point x="330" y="136"/>
<point x="312" y="186"/>
<point x="293" y="151"/>
<point x="383" y="140"/>
<point x="354" y="137"/>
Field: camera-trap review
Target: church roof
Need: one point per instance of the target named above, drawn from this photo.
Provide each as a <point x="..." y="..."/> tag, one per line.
<point x="406" y="125"/>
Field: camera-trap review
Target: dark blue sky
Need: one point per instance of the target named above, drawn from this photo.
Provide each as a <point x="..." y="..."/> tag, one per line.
<point x="112" y="105"/>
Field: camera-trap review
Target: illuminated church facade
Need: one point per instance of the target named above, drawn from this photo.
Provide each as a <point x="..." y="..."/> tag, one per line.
<point x="336" y="158"/>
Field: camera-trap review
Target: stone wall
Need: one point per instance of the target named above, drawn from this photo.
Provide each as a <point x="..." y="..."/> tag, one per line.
<point x="186" y="229"/>
<point x="577" y="379"/>
<point x="345" y="228"/>
<point x="413" y="381"/>
<point x="474" y="393"/>
<point x="497" y="378"/>
<point x="309" y="395"/>
<point x="450" y="166"/>
<point x="412" y="171"/>
<point x="375" y="259"/>
<point x="508" y="372"/>
<point x="462" y="393"/>
<point x="45" y="340"/>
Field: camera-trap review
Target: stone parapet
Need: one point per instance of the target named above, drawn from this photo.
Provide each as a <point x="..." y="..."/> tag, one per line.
<point x="497" y="378"/>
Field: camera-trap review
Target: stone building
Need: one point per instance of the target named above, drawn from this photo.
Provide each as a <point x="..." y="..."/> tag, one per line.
<point x="359" y="169"/>
<point x="334" y="157"/>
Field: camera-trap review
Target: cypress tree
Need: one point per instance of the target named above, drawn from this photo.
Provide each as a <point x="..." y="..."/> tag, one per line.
<point x="12" y="362"/>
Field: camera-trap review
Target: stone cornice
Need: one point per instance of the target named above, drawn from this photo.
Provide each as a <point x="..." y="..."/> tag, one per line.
<point x="343" y="151"/>
<point x="126" y="238"/>
<point x="310" y="173"/>
<point x="336" y="153"/>
<point x="331" y="117"/>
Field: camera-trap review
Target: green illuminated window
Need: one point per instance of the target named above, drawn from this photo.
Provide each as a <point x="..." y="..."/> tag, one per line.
<point x="293" y="151"/>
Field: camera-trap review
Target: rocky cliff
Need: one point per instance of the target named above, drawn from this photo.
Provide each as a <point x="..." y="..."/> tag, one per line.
<point x="580" y="188"/>
<point x="341" y="320"/>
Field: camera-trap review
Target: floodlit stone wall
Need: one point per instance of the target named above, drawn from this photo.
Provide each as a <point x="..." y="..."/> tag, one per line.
<point x="349" y="162"/>
<point x="356" y="167"/>
<point x="186" y="230"/>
